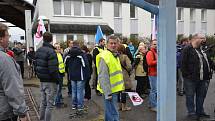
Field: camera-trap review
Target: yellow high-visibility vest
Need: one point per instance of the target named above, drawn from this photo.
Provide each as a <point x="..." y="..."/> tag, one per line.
<point x="99" y="49"/>
<point x="115" y="71"/>
<point x="61" y="65"/>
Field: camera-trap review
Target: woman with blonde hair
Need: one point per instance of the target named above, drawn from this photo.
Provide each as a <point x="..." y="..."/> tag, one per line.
<point x="140" y="72"/>
<point x="126" y="70"/>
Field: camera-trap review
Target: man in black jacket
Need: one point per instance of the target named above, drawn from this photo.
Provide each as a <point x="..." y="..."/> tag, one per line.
<point x="96" y="51"/>
<point x="47" y="72"/>
<point x="79" y="72"/>
<point x="196" y="73"/>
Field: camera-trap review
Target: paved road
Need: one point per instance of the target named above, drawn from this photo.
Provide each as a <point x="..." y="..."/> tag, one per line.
<point x="138" y="113"/>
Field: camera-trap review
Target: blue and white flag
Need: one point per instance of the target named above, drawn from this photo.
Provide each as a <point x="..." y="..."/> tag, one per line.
<point x="99" y="34"/>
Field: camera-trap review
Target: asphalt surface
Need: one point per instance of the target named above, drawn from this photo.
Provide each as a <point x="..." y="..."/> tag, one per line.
<point x="138" y="113"/>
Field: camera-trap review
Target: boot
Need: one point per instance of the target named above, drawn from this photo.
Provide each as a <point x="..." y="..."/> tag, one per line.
<point x="125" y="108"/>
<point x="120" y="106"/>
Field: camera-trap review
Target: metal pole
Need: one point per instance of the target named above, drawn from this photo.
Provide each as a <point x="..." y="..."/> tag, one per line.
<point x="167" y="61"/>
<point x="28" y="30"/>
<point x="146" y="6"/>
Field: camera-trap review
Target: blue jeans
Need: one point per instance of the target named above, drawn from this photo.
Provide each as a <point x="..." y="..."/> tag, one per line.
<point x="78" y="94"/>
<point x="195" y="88"/>
<point x="180" y="81"/>
<point x="48" y="91"/>
<point x="59" y="96"/>
<point x="111" y="110"/>
<point x="153" y="91"/>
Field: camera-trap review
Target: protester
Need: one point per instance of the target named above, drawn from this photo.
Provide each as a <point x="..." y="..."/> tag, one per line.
<point x="58" y="100"/>
<point x="141" y="74"/>
<point x="196" y="73"/>
<point x="180" y="80"/>
<point x="65" y="53"/>
<point x="126" y="70"/>
<point x="31" y="55"/>
<point x="48" y="72"/>
<point x="127" y="50"/>
<point x="19" y="56"/>
<point x="151" y="58"/>
<point x="12" y="102"/>
<point x="79" y="72"/>
<point x="98" y="49"/>
<point x="87" y="95"/>
<point x="110" y="78"/>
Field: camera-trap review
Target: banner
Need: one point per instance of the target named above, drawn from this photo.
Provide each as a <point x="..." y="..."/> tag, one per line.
<point x="38" y="36"/>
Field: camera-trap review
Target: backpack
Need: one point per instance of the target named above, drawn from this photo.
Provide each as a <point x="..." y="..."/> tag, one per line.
<point x="145" y="64"/>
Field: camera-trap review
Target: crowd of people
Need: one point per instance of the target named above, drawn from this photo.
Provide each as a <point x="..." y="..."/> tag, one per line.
<point x="118" y="64"/>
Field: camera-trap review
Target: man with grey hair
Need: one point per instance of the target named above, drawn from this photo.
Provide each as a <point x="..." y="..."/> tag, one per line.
<point x="12" y="100"/>
<point x="196" y="73"/>
<point x="110" y="78"/>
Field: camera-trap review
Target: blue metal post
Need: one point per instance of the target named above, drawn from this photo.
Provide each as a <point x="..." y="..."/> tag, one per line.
<point x="146" y="6"/>
<point x="167" y="60"/>
<point x="166" y="14"/>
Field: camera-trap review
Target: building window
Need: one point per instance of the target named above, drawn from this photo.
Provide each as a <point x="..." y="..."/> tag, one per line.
<point x="97" y="7"/>
<point x="67" y="7"/>
<point x="203" y="15"/>
<point x="180" y="13"/>
<point x="91" y="39"/>
<point x="192" y="14"/>
<point x="117" y="9"/>
<point x="77" y="8"/>
<point x="80" y="37"/>
<point x="70" y="37"/>
<point x="57" y="7"/>
<point x="132" y="11"/>
<point x="59" y="38"/>
<point x="87" y="7"/>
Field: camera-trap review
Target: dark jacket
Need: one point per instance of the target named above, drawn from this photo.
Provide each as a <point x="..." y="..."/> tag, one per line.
<point x="96" y="52"/>
<point x="78" y="65"/>
<point x="90" y="59"/>
<point x="190" y="65"/>
<point x="18" y="54"/>
<point x="47" y="63"/>
<point x="178" y="56"/>
<point x="31" y="56"/>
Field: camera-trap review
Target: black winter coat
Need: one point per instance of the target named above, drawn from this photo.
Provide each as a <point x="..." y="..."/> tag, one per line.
<point x="74" y="63"/>
<point x="47" y="63"/>
<point x="190" y="64"/>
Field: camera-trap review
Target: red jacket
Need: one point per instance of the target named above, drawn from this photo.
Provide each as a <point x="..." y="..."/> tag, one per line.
<point x="151" y="59"/>
<point x="10" y="53"/>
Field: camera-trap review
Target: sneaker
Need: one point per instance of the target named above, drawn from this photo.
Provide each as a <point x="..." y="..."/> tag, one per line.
<point x="74" y="107"/>
<point x="193" y="116"/>
<point x="204" y="115"/>
<point x="180" y="94"/>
